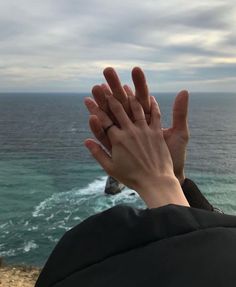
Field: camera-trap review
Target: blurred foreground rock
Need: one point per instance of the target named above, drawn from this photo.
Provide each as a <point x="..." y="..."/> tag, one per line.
<point x="18" y="276"/>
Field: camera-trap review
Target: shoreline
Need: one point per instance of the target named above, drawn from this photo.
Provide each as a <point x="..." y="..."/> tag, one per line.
<point x="18" y="275"/>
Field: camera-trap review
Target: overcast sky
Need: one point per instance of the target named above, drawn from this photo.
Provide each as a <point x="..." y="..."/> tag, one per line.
<point x="63" y="45"/>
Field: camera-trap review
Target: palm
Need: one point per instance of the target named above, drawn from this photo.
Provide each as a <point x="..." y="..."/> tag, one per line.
<point x="177" y="141"/>
<point x="177" y="136"/>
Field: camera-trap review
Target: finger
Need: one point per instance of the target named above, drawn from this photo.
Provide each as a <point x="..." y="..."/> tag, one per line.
<point x="137" y="111"/>
<point x="119" y="112"/>
<point x="180" y="111"/>
<point x="99" y="154"/>
<point x="100" y="94"/>
<point x="141" y="89"/>
<point x="155" y="114"/>
<point x="94" y="109"/>
<point x="116" y="87"/>
<point x="100" y="98"/>
<point x="128" y="91"/>
<point x="98" y="131"/>
<point x="106" y="89"/>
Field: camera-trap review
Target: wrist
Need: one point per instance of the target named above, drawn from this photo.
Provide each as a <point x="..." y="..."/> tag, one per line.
<point x="181" y="177"/>
<point x="164" y="190"/>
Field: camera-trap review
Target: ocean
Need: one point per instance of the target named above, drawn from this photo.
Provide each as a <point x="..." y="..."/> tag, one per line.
<point x="49" y="182"/>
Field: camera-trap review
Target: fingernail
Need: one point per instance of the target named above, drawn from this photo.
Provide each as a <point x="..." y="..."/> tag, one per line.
<point x="89" y="144"/>
<point x="88" y="101"/>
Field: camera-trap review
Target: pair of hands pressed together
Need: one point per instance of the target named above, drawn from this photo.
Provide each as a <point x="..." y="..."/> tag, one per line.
<point x="143" y="156"/>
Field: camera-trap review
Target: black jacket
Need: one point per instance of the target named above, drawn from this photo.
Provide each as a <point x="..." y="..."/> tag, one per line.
<point x="166" y="246"/>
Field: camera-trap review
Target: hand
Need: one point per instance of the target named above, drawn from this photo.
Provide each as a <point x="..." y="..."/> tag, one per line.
<point x="176" y="136"/>
<point x="121" y="93"/>
<point x="139" y="155"/>
<point x="115" y="89"/>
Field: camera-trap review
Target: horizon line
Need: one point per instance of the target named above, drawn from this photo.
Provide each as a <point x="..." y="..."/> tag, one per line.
<point x="79" y="93"/>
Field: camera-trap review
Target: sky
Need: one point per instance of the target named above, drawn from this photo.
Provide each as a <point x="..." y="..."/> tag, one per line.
<point x="64" y="45"/>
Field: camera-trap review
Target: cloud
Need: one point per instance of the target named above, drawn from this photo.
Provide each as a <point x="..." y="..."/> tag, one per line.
<point x="65" y="44"/>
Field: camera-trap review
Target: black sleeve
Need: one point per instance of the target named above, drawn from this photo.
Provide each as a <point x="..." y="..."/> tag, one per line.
<point x="194" y="196"/>
<point x="171" y="245"/>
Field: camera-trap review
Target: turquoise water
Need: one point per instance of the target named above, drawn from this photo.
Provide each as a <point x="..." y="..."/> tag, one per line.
<point x="49" y="182"/>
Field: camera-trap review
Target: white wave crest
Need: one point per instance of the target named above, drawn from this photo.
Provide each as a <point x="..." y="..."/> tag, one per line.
<point x="93" y="188"/>
<point x="29" y="246"/>
<point x="92" y="196"/>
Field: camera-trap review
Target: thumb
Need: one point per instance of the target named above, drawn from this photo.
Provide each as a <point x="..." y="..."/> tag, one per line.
<point x="99" y="154"/>
<point x="180" y="111"/>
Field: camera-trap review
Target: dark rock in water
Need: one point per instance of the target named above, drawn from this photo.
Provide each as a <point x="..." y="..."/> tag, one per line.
<point x="131" y="194"/>
<point x="113" y="186"/>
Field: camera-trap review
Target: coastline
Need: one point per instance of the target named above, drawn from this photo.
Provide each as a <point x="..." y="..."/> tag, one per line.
<point x="18" y="275"/>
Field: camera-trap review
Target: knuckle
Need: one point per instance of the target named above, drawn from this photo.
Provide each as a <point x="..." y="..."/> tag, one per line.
<point x="186" y="136"/>
<point x="158" y="114"/>
<point x="95" y="152"/>
<point x="132" y="132"/>
<point x="116" y="140"/>
<point x="136" y="107"/>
